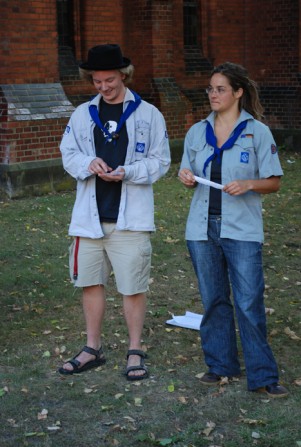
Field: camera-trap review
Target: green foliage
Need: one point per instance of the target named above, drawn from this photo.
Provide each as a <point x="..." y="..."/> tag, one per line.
<point x="42" y="325"/>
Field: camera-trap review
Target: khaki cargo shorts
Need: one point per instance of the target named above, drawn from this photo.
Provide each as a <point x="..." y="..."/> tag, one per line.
<point x="126" y="253"/>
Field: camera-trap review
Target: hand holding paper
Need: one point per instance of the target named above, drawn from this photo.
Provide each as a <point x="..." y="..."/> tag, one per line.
<point x="208" y="182"/>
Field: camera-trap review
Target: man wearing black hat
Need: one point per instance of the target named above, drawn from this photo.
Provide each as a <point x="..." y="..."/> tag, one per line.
<point x="116" y="147"/>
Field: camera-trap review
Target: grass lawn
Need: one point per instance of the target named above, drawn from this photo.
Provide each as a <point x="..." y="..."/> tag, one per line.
<point x="42" y="325"/>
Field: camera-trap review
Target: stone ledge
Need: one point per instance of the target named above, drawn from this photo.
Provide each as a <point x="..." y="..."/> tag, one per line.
<point x="34" y="179"/>
<point x="26" y="102"/>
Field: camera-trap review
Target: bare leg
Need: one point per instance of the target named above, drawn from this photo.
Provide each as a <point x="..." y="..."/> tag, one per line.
<point x="134" y="308"/>
<point x="94" y="305"/>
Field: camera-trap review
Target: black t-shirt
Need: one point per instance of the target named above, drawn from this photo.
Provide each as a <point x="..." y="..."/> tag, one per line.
<point x="113" y="153"/>
<point x="215" y="196"/>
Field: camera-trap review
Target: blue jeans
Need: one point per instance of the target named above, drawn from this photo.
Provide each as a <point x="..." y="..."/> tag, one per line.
<point x="217" y="262"/>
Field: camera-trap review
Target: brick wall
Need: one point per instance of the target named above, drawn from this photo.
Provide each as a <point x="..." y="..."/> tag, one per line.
<point x="262" y="36"/>
<point x="148" y="40"/>
<point x="29" y="141"/>
<point x="28" y="49"/>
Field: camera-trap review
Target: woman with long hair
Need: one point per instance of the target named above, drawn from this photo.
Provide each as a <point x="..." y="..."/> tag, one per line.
<point x="231" y="159"/>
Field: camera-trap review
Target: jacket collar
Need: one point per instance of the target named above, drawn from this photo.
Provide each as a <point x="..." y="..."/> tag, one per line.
<point x="127" y="98"/>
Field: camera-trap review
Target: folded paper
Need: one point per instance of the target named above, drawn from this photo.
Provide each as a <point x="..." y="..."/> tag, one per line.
<point x="204" y="181"/>
<point x="190" y="320"/>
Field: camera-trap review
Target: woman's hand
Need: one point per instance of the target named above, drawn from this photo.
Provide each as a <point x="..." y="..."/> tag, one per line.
<point x="261" y="186"/>
<point x="237" y="187"/>
<point x="187" y="178"/>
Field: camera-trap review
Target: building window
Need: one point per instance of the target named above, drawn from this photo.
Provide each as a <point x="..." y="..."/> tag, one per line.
<point x="66" y="39"/>
<point x="65" y="26"/>
<point x="192" y="36"/>
<point x="190" y="23"/>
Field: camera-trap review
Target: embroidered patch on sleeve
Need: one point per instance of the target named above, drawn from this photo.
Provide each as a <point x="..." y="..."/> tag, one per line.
<point x="244" y="157"/>
<point x="140" y="147"/>
<point x="67" y="130"/>
<point x="274" y="149"/>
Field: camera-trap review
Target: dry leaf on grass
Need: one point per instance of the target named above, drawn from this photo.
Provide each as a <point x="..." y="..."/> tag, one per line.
<point x="88" y="390"/>
<point x="106" y="407"/>
<point x="12" y="422"/>
<point x="255" y="435"/>
<point x="210" y="426"/>
<point x="170" y="240"/>
<point x="291" y="334"/>
<point x="129" y="418"/>
<point x="53" y="428"/>
<point x="269" y="311"/>
<point x="199" y="376"/>
<point x="273" y="332"/>
<point x="252" y="421"/>
<point x="43" y="415"/>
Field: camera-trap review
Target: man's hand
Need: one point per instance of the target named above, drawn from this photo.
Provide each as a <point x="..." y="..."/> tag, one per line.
<point x="99" y="166"/>
<point x="114" y="176"/>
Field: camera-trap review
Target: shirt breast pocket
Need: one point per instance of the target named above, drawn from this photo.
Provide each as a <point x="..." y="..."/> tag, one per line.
<point x="198" y="155"/>
<point x="245" y="164"/>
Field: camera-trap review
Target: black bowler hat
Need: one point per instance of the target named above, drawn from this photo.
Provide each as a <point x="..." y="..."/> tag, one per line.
<point x="105" y="57"/>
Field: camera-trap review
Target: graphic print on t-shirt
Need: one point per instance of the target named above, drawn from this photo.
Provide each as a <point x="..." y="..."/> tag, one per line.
<point x="111" y="126"/>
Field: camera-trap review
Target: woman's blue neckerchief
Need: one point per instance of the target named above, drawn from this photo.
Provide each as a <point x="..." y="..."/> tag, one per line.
<point x="132" y="106"/>
<point x="211" y="140"/>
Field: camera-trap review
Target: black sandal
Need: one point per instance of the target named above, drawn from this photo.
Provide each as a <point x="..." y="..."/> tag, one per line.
<point x="140" y="367"/>
<point x="99" y="360"/>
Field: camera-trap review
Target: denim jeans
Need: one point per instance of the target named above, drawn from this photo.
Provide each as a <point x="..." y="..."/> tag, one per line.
<point x="218" y="263"/>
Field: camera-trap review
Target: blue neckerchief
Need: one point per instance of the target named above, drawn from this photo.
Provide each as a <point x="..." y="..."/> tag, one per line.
<point x="132" y="106"/>
<point x="211" y="140"/>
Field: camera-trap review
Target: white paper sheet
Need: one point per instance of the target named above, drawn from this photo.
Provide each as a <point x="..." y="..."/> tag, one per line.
<point x="190" y="320"/>
<point x="208" y="182"/>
